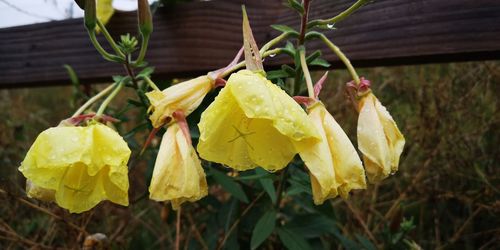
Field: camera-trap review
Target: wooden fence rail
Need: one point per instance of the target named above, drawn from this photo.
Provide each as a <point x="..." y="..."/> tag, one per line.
<point x="193" y="38"/>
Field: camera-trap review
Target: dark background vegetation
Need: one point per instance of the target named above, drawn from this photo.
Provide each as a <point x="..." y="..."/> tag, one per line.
<point x="445" y="195"/>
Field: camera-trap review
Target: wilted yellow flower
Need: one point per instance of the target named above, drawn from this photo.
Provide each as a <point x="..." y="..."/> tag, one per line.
<point x="251" y="123"/>
<point x="82" y="165"/>
<point x="185" y="96"/>
<point x="334" y="164"/>
<point x="177" y="175"/>
<point x="379" y="139"/>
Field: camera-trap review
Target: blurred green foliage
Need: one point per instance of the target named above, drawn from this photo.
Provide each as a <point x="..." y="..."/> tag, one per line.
<point x="445" y="194"/>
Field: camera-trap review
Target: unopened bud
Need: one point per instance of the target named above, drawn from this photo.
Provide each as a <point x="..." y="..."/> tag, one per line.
<point x="90" y="18"/>
<point x="145" y="18"/>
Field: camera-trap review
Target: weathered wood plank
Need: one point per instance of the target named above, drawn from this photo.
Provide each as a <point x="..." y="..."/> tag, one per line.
<point x="196" y="37"/>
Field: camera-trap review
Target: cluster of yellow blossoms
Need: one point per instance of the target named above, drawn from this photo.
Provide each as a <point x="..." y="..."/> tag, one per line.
<point x="251" y="123"/>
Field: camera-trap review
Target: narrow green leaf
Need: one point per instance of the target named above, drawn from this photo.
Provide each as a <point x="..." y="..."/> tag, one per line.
<point x="146" y="72"/>
<point x="313" y="56"/>
<point x="263" y="228"/>
<point x="267" y="184"/>
<point x="291" y="240"/>
<point x="229" y="185"/>
<point x="320" y="62"/>
<point x="275" y="74"/>
<point x="284" y="28"/>
<point x="72" y="75"/>
<point x="296" y="6"/>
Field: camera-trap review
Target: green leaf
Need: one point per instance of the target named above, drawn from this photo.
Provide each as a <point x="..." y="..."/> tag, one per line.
<point x="263" y="228"/>
<point x="312" y="225"/>
<point x="311" y="35"/>
<point x="72" y="75"/>
<point x="267" y="184"/>
<point x="365" y="243"/>
<point x="284" y="28"/>
<point x="146" y="72"/>
<point x="289" y="70"/>
<point x="320" y="62"/>
<point x="275" y="74"/>
<point x="229" y="185"/>
<point x="313" y="56"/>
<point x="296" y="6"/>
<point x="292" y="240"/>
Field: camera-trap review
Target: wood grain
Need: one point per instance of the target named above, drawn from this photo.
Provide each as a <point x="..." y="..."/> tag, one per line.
<point x="193" y="38"/>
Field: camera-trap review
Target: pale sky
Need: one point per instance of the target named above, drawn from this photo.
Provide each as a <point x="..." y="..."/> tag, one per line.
<point x="23" y="12"/>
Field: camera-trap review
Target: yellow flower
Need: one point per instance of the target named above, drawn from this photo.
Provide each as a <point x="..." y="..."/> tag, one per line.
<point x="334" y="164"/>
<point x="379" y="139"/>
<point x="185" y="96"/>
<point x="252" y="122"/>
<point x="82" y="165"/>
<point x="177" y="175"/>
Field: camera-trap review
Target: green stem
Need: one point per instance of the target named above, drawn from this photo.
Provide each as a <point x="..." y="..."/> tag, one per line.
<point x="340" y="16"/>
<point x="273" y="42"/>
<point x="342" y="57"/>
<point x="100" y="49"/>
<point x="110" y="97"/>
<point x="92" y="100"/>
<point x="303" y="22"/>
<point x="307" y="75"/>
<point x="151" y="83"/>
<point x="110" y="39"/>
<point x="142" y="52"/>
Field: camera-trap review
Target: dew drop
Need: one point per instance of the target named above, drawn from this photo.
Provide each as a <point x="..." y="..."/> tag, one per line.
<point x="331" y="26"/>
<point x="272" y="55"/>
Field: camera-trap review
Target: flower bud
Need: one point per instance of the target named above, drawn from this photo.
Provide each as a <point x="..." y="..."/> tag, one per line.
<point x="90" y="17"/>
<point x="145" y="18"/>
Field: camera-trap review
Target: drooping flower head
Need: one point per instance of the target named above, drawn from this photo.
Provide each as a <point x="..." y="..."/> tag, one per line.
<point x="177" y="175"/>
<point x="253" y="122"/>
<point x="185" y="96"/>
<point x="81" y="165"/>
<point x="379" y="138"/>
<point x="334" y="165"/>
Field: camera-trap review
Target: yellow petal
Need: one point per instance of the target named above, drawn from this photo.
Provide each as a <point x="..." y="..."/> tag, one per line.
<point x="395" y="139"/>
<point x="252" y="123"/>
<point x="334" y="165"/>
<point x="349" y="171"/>
<point x="105" y="11"/>
<point x="83" y="165"/>
<point x="379" y="139"/>
<point x="260" y="98"/>
<point x="177" y="175"/>
<point x="185" y="96"/>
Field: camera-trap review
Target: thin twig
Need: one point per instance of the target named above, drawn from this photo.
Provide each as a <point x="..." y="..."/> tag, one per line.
<point x="197" y="234"/>
<point x="237" y="221"/>
<point x="360" y="221"/>
<point x="178" y="229"/>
